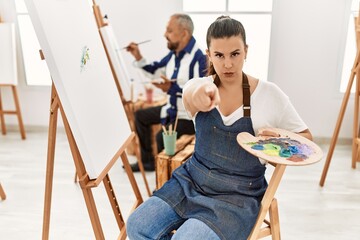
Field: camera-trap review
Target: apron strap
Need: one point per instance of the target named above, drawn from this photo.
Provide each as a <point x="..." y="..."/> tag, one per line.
<point x="246" y="96"/>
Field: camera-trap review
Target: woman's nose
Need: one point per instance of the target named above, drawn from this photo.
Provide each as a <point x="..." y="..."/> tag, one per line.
<point x="227" y="63"/>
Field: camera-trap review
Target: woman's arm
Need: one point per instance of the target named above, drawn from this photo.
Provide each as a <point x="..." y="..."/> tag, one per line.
<point x="202" y="96"/>
<point x="267" y="133"/>
<point x="307" y="134"/>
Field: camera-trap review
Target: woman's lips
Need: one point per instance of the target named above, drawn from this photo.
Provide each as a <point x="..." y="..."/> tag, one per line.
<point x="228" y="74"/>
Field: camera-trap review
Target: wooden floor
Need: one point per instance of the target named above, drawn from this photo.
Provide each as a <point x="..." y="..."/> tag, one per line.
<point x="306" y="210"/>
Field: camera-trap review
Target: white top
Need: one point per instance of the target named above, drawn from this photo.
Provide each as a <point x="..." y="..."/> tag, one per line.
<point x="270" y="107"/>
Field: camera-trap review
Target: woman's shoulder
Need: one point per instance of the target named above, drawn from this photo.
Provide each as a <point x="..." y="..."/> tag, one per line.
<point x="269" y="87"/>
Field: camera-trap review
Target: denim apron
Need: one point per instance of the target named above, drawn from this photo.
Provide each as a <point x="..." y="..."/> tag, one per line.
<point x="221" y="184"/>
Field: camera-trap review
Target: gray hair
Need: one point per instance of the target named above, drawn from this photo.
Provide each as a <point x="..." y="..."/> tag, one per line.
<point x="185" y="21"/>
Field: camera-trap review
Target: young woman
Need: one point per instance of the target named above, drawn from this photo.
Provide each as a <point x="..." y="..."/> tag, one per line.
<point x="216" y="194"/>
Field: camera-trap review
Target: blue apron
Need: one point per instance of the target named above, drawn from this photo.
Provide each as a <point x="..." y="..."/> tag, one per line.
<point x="221" y="184"/>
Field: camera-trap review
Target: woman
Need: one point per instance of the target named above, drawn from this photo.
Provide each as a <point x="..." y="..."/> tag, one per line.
<point x="216" y="194"/>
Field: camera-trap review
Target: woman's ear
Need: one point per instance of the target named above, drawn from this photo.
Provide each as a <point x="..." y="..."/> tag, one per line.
<point x="246" y="50"/>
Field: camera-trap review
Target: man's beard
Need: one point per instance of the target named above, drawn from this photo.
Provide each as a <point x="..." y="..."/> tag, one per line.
<point x="172" y="46"/>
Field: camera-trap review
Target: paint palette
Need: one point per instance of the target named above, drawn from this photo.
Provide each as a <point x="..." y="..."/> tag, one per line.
<point x="287" y="148"/>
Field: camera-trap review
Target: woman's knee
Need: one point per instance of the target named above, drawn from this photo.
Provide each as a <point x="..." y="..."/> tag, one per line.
<point x="133" y="225"/>
<point x="150" y="220"/>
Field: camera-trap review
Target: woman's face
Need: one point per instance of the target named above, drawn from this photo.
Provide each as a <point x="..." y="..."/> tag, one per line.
<point x="227" y="56"/>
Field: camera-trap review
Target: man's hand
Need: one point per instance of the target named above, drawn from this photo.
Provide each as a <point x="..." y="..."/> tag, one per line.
<point x="164" y="84"/>
<point x="134" y="50"/>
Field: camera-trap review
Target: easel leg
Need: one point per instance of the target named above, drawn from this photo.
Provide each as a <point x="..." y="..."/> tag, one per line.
<point x="132" y="180"/>
<point x="141" y="166"/>
<point x="89" y="200"/>
<point x="339" y="121"/>
<point x="2" y="193"/>
<point x="2" y="118"/>
<point x="115" y="206"/>
<point x="50" y="166"/>
<point x="129" y="109"/>
<point x="83" y="180"/>
<point x="18" y="112"/>
<point x="135" y="188"/>
<point x="356" y="122"/>
<point x="91" y="207"/>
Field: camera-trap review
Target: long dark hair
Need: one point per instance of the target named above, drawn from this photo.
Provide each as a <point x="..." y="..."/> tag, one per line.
<point x="223" y="27"/>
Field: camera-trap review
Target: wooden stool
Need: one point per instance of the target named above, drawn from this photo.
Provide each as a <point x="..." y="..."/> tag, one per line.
<point x="165" y="165"/>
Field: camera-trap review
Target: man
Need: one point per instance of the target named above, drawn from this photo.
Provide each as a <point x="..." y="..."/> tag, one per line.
<point x="184" y="61"/>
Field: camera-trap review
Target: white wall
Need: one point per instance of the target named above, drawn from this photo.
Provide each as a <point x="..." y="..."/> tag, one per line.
<point x="307" y="44"/>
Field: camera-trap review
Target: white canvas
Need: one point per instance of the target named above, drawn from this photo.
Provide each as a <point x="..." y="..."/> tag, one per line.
<point x="76" y="58"/>
<point x="115" y="54"/>
<point x="8" y="69"/>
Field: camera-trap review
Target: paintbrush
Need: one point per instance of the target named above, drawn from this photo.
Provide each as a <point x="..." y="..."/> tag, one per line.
<point x="138" y="43"/>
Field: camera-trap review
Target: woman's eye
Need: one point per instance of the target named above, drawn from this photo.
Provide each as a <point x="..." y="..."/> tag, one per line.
<point x="218" y="55"/>
<point x="235" y="54"/>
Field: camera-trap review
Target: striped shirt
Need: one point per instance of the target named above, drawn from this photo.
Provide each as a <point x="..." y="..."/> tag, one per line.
<point x="189" y="63"/>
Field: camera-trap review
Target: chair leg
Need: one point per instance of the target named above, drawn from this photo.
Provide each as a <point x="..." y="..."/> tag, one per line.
<point x="274" y="220"/>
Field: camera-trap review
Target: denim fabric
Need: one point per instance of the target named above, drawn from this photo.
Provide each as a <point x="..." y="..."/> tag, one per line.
<point x="221" y="184"/>
<point x="155" y="219"/>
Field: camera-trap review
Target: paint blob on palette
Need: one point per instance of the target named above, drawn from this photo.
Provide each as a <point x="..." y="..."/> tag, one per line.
<point x="292" y="150"/>
<point x="286" y="148"/>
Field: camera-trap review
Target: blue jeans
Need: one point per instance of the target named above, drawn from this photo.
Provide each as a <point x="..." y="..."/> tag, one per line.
<point x="155" y="219"/>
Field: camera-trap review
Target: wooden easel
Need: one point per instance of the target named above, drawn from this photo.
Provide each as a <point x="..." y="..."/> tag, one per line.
<point x="128" y="105"/>
<point x="16" y="102"/>
<point x="355" y="139"/>
<point x="2" y="193"/>
<point x="85" y="182"/>
<point x="16" y="111"/>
